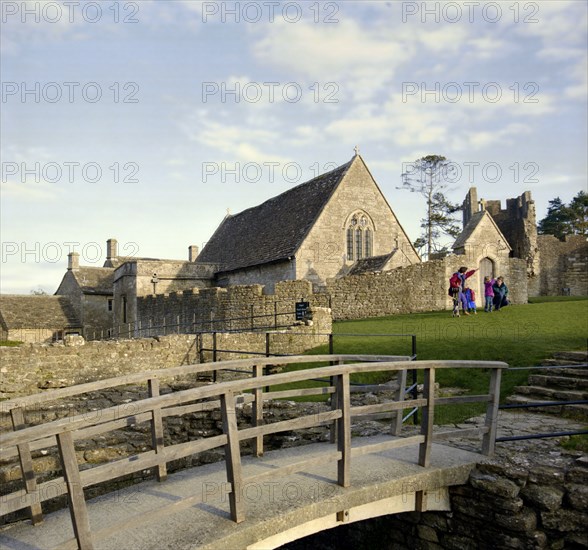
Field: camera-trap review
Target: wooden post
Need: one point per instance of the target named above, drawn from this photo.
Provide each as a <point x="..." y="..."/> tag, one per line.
<point x="232" y="455"/>
<point x="344" y="430"/>
<point x="428" y="415"/>
<point x="397" y="422"/>
<point x="26" y="466"/>
<point x="334" y="406"/>
<point x="489" y="438"/>
<point x="157" y="429"/>
<point x="257" y="412"/>
<point x="75" y="491"/>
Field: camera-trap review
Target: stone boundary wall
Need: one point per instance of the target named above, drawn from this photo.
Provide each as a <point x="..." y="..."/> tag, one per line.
<point x="414" y="288"/>
<point x="505" y="505"/>
<point x="563" y="264"/>
<point x="31" y="368"/>
<point x="246" y="306"/>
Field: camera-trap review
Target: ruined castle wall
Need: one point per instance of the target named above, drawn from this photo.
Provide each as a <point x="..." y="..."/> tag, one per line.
<point x="563" y="265"/>
<point x="518" y="223"/>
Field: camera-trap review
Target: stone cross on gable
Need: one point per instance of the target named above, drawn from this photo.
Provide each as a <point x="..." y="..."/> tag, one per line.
<point x="356" y="149"/>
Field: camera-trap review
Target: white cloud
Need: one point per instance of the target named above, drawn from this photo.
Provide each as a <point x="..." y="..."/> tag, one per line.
<point x="365" y="58"/>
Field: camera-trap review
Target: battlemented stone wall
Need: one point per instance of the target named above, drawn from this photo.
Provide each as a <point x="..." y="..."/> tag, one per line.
<point x="241" y="307"/>
<point x="417" y="287"/>
<point x="563" y="265"/>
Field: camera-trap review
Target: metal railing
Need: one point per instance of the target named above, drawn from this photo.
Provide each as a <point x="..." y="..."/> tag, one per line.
<point x="223" y="397"/>
<point x="179" y="324"/>
<point x="543" y="404"/>
<point x="267" y="352"/>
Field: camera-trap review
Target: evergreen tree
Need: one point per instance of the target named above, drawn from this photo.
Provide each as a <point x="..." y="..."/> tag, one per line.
<point x="429" y="179"/>
<point x="562" y="219"/>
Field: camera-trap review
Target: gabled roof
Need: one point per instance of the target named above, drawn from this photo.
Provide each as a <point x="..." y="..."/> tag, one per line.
<point x="371" y="264"/>
<point x="274" y="230"/>
<point x="473" y="224"/>
<point x="51" y="312"/>
<point x="95" y="280"/>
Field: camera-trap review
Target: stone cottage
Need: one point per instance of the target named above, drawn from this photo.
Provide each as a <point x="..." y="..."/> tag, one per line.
<point x="90" y="291"/>
<point x="37" y="318"/>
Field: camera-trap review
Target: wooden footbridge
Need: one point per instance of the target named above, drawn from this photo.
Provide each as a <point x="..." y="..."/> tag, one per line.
<point x="257" y="501"/>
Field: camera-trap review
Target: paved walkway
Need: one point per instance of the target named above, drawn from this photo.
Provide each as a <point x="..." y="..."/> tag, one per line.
<point x="381" y="483"/>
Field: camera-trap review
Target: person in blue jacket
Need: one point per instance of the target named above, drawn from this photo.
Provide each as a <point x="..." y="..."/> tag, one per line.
<point x="500" y="294"/>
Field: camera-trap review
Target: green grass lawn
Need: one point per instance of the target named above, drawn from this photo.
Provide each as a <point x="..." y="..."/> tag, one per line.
<point x="10" y="343"/>
<point x="521" y="336"/>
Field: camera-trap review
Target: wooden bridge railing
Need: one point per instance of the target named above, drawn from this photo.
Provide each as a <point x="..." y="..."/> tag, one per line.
<point x="224" y="396"/>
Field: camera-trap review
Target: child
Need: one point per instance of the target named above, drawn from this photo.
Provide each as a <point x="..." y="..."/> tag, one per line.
<point x="471" y="299"/>
<point x="488" y="293"/>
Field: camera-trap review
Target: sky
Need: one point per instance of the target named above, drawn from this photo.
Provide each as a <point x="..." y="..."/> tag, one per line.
<point x="148" y="121"/>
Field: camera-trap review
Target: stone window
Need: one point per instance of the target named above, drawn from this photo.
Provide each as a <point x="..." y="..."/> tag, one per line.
<point x="350" y="244"/>
<point x="368" y="242"/>
<point x="110" y="303"/>
<point x="359" y="237"/>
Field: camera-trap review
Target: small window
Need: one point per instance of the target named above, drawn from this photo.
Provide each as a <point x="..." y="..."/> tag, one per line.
<point x="110" y="304"/>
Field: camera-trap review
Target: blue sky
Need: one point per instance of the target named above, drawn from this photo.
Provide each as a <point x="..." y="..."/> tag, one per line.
<point x="145" y="121"/>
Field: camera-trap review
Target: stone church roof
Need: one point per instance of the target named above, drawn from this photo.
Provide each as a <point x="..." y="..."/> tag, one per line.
<point x="473" y="223"/>
<point x="95" y="280"/>
<point x="274" y="230"/>
<point x="51" y="312"/>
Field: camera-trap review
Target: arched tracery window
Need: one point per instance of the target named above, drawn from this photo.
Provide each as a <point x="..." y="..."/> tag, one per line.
<point x="359" y="237"/>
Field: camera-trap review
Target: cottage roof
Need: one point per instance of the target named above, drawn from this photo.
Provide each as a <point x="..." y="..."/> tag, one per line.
<point x="473" y="224"/>
<point x="95" y="280"/>
<point x="274" y="230"/>
<point x="51" y="312"/>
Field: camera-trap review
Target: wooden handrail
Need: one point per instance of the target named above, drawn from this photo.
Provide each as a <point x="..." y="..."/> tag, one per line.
<point x="196" y="368"/>
<point x="64" y="431"/>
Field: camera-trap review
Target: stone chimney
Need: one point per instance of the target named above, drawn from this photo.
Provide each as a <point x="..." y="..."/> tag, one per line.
<point x="192" y="253"/>
<point x="111" y="248"/>
<point x="73" y="261"/>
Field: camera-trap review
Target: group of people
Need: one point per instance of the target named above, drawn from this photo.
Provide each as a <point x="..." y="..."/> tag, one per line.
<point x="495" y="293"/>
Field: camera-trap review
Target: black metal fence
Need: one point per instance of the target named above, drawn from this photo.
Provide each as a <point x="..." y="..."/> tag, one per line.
<point x="281" y="317"/>
<point x="543" y="404"/>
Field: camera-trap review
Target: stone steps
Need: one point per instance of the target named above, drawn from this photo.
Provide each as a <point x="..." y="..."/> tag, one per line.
<point x="551" y="394"/>
<point x="575" y="410"/>
<point x="572" y="356"/>
<point x="576" y="372"/>
<point x="561" y="382"/>
<point x="557" y="384"/>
